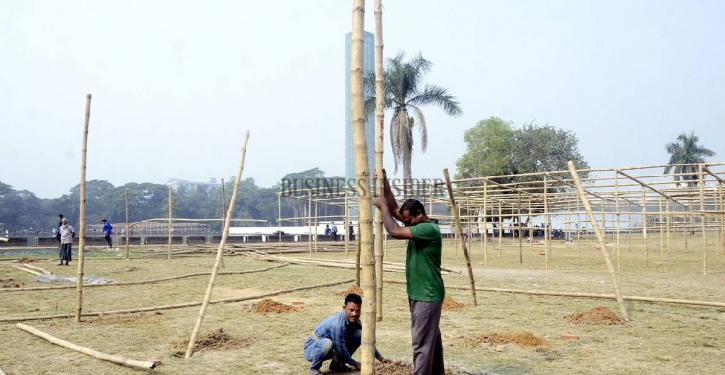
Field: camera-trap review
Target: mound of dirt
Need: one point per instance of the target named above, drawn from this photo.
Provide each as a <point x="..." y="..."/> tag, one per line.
<point x="523" y="339"/>
<point x="267" y="306"/>
<point x="397" y="368"/>
<point x="10" y="283"/>
<point x="353" y="289"/>
<point x="216" y="340"/>
<point x="599" y="315"/>
<point x="451" y="304"/>
<point x="25" y="260"/>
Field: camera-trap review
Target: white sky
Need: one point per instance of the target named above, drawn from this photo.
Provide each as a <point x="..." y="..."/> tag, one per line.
<point x="176" y="83"/>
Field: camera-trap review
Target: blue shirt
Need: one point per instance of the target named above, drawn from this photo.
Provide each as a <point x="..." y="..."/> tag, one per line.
<point x="338" y="329"/>
<point x="107" y="228"/>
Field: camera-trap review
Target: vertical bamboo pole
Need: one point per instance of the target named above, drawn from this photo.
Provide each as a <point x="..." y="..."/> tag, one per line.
<point x="279" y="219"/>
<point x="171" y="225"/>
<point x="578" y="233"/>
<point x="224" y="203"/>
<point x="629" y="232"/>
<point x="126" y="230"/>
<point x="604" y="221"/>
<point x="722" y="219"/>
<point x="644" y="227"/>
<point x="365" y="220"/>
<point x="701" y="184"/>
<point x="485" y="223"/>
<point x="662" y="237"/>
<point x="220" y="250"/>
<point x="347" y="220"/>
<point x="468" y="221"/>
<point x="82" y="215"/>
<point x="316" y="226"/>
<point x="667" y="214"/>
<point x="531" y="232"/>
<point x="379" y="131"/>
<point x="455" y="233"/>
<point x="518" y="213"/>
<point x="616" y="208"/>
<point x="500" y="230"/>
<point x="430" y="200"/>
<point x="547" y="252"/>
<point x="459" y="230"/>
<point x="309" y="222"/>
<point x="600" y="238"/>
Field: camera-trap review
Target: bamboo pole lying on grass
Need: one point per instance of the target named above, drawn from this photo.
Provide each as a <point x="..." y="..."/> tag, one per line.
<point x="36" y="273"/>
<point x="177" y="305"/>
<point x="93" y="353"/>
<point x="584" y="295"/>
<point x="220" y="250"/>
<point x="140" y="282"/>
<point x="2" y="372"/>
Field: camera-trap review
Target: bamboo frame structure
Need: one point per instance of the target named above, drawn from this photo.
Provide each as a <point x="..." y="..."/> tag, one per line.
<point x="93" y="353"/>
<point x="379" y="131"/>
<point x="82" y="215"/>
<point x="125" y="230"/>
<point x="220" y="250"/>
<point x="171" y="219"/>
<point x="362" y="174"/>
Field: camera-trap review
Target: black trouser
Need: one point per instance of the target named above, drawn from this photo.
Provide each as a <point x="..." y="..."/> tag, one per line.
<point x="65" y="252"/>
<point x="108" y="239"/>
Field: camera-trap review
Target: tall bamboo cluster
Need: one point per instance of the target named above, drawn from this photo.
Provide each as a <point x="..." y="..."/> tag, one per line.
<point x="364" y="197"/>
<point x="82" y="215"/>
<point x="379" y="127"/>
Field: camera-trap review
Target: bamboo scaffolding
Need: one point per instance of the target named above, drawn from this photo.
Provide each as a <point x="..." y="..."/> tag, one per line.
<point x="82" y="215"/>
<point x="126" y="228"/>
<point x="309" y="222"/>
<point x="220" y="250"/>
<point x="600" y="239"/>
<point x="379" y="132"/>
<point x="93" y="353"/>
<point x="178" y="305"/>
<point x="171" y="220"/>
<point x="485" y="225"/>
<point x="459" y="230"/>
<point x="702" y="219"/>
<point x="644" y="227"/>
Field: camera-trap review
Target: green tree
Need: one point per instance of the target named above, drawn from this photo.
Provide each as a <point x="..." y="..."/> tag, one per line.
<point x="685" y="154"/>
<point x="405" y="94"/>
<point x="489" y="150"/>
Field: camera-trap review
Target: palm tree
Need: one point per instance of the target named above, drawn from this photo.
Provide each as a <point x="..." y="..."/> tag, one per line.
<point x="403" y="93"/>
<point x="685" y="154"/>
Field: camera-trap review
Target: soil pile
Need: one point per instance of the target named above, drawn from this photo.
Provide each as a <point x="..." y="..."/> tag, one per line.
<point x="523" y="339"/>
<point x="216" y="340"/>
<point x="25" y="260"/>
<point x="599" y="315"/>
<point x="353" y="289"/>
<point x="397" y="368"/>
<point x="10" y="283"/>
<point x="451" y="304"/>
<point x="267" y="306"/>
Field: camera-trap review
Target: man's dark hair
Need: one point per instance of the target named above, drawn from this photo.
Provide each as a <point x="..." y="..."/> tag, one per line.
<point x="413" y="206"/>
<point x="60" y="216"/>
<point x="103" y="221"/>
<point x="354" y="298"/>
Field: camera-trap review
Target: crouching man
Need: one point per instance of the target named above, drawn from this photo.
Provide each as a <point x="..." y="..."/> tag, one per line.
<point x="337" y="338"/>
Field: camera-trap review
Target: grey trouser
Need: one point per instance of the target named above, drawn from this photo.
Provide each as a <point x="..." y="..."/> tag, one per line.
<point x="427" y="344"/>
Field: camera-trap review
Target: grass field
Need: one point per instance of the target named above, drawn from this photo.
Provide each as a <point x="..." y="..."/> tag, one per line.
<point x="660" y="339"/>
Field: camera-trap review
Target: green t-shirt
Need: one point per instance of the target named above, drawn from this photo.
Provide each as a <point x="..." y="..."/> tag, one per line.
<point x="423" y="264"/>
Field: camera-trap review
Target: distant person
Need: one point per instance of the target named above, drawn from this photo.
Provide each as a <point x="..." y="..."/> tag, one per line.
<point x="327" y="230"/>
<point x="351" y="230"/>
<point x="107" y="230"/>
<point x="66" y="242"/>
<point x="333" y="228"/>
<point x="337" y="338"/>
<point x="60" y="222"/>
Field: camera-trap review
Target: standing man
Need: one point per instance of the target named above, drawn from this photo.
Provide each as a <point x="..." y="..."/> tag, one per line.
<point x="60" y="223"/>
<point x="107" y="230"/>
<point x="422" y="275"/>
<point x="333" y="228"/>
<point x="337" y="338"/>
<point x="66" y="242"/>
<point x="352" y="232"/>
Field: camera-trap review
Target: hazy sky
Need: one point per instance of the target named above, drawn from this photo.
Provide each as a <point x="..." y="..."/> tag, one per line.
<point x="176" y="83"/>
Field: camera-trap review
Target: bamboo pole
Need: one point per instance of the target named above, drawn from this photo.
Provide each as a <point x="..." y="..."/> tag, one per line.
<point x="531" y="232"/>
<point x="309" y="222"/>
<point x="36" y="273"/>
<point x="171" y="219"/>
<point x="379" y="131"/>
<point x="500" y="230"/>
<point x="600" y="238"/>
<point x="547" y="251"/>
<point x="722" y="219"/>
<point x="178" y="305"/>
<point x="667" y="215"/>
<point x="578" y="233"/>
<point x="521" y="251"/>
<point x="82" y="215"/>
<point x="459" y="230"/>
<point x="220" y="250"/>
<point x="616" y="208"/>
<point x="2" y="372"/>
<point x="485" y="223"/>
<point x="93" y="353"/>
<point x="347" y="220"/>
<point x="128" y="257"/>
<point x="142" y="282"/>
<point x="316" y="223"/>
<point x="224" y="204"/>
<point x="662" y="237"/>
<point x="644" y="227"/>
<point x="362" y="172"/>
<point x="702" y="219"/>
<point x="279" y="221"/>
